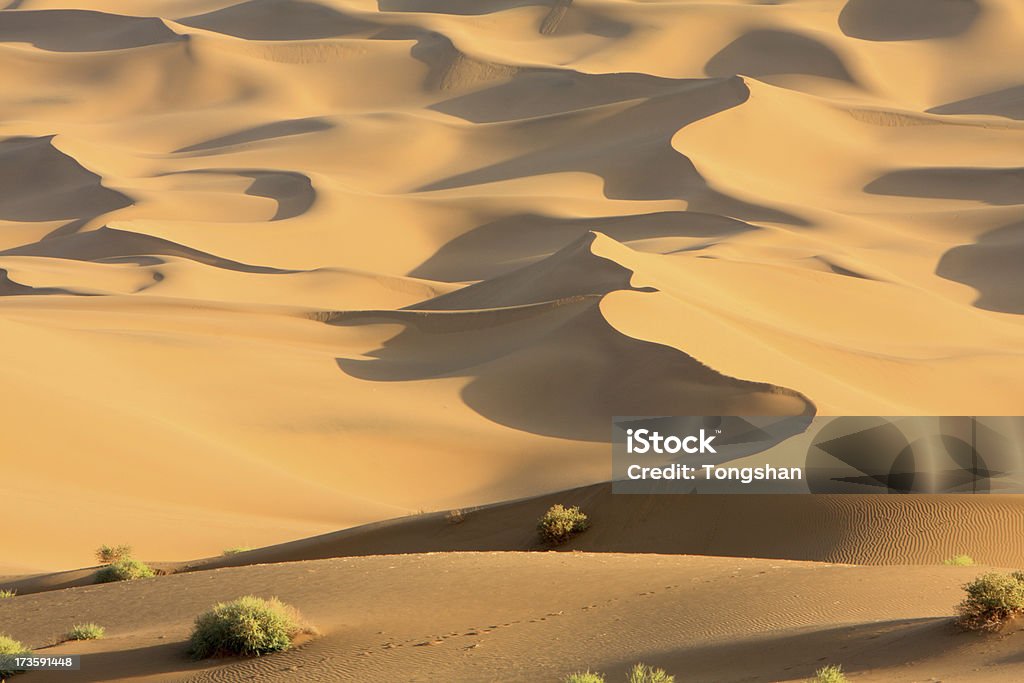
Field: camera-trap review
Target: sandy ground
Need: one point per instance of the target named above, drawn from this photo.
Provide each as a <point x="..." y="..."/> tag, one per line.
<point x="534" y="617"/>
<point x="284" y="269"/>
<point x="423" y="599"/>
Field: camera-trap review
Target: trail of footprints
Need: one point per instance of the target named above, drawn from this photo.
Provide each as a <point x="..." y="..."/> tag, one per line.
<point x="476" y="632"/>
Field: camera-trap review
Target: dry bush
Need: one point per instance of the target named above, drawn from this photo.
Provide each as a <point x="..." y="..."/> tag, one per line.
<point x="991" y="600"/>
<point x="127" y="569"/>
<point x="109" y="554"/>
<point x="560" y="523"/>
<point x="248" y="626"/>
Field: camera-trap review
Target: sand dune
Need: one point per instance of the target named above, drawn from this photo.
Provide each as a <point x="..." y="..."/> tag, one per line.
<point x="285" y="269"/>
<point x="481" y="228"/>
<point x="917" y="530"/>
<point x="920" y="530"/>
<point x="40" y="184"/>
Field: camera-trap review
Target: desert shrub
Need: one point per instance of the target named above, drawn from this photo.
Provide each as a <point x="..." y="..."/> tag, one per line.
<point x="991" y="599"/>
<point x="959" y="561"/>
<point x="236" y="550"/>
<point x="584" y="677"/>
<point x="455" y="517"/>
<point x="833" y="673"/>
<point x="127" y="569"/>
<point x="88" y="631"/>
<point x="246" y="626"/>
<point x="109" y="554"/>
<point x="560" y="523"/>
<point x="9" y="648"/>
<point x="7" y="594"/>
<point x="641" y="673"/>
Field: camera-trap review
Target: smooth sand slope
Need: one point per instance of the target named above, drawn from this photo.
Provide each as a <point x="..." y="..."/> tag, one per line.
<point x="853" y="529"/>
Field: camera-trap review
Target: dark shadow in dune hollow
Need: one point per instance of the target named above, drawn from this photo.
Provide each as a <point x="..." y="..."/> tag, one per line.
<point x="268" y="131"/>
<point x="994" y="265"/>
<point x="1008" y="102"/>
<point x="887" y="20"/>
<point x="534" y="93"/>
<point x="561" y="17"/>
<point x="151" y="660"/>
<point x="293" y="191"/>
<point x="765" y="53"/>
<point x="557" y="369"/>
<point x="67" y="30"/>
<point x="39" y="183"/>
<point x="630" y="149"/>
<point x="280" y="20"/>
<point x="997" y="186"/>
<point x="874" y="646"/>
<point x="9" y="287"/>
<point x="111" y="245"/>
<point x="458" y="7"/>
<point x="507" y="243"/>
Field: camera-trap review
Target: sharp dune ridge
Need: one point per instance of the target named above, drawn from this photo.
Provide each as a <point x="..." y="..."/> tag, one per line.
<point x="296" y="269"/>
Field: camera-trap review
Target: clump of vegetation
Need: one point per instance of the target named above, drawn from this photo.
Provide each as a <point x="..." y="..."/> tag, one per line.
<point x="641" y="673"/>
<point x="560" y="523"/>
<point x="833" y="673"/>
<point x="584" y="677"/>
<point x="959" y="561"/>
<point x="109" y="554"/>
<point x="455" y="517"/>
<point x="236" y="550"/>
<point x="991" y="600"/>
<point x="9" y="648"/>
<point x="88" y="631"/>
<point x="127" y="569"/>
<point x="7" y="594"/>
<point x="246" y="626"/>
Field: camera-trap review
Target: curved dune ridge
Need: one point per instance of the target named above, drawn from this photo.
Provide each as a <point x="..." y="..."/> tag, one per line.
<point x="273" y="268"/>
<point x="840" y="528"/>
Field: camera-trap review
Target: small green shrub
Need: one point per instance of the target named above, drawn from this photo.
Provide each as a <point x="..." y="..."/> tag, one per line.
<point x="236" y="550"/>
<point x="246" y="626"/>
<point x="560" y="523"/>
<point x="9" y="648"/>
<point x="455" y="517"/>
<point x="584" y="677"/>
<point x="127" y="569"/>
<point x="641" y="673"/>
<point x="109" y="554"/>
<point x="88" y="631"/>
<point x="7" y="594"/>
<point x="991" y="599"/>
<point x="959" y="561"/>
<point x="833" y="673"/>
